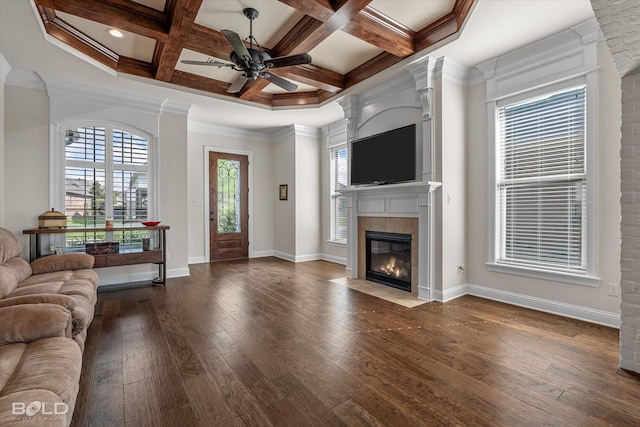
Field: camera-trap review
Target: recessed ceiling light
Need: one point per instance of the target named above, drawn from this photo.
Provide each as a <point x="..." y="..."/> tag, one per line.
<point x="115" y="33"/>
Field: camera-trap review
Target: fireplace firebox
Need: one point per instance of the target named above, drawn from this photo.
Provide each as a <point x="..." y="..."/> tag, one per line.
<point x="389" y="259"/>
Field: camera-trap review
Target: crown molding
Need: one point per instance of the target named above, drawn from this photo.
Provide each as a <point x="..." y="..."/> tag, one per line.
<point x="77" y="92"/>
<point x="26" y="79"/>
<point x="228" y="131"/>
<point x="451" y="70"/>
<point x="307" y="131"/>
<point x="176" y="107"/>
<point x="564" y="55"/>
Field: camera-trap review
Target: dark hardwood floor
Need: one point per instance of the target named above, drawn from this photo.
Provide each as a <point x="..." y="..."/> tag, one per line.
<point x="268" y="342"/>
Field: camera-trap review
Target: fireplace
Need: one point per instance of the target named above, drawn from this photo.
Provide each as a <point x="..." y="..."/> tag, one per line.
<point x="388" y="259"/>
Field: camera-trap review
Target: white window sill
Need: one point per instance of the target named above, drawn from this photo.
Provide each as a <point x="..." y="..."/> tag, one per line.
<point x="554" y="276"/>
<point x="337" y="243"/>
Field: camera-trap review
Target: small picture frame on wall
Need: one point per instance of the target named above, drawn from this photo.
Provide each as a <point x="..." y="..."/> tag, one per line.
<point x="284" y="192"/>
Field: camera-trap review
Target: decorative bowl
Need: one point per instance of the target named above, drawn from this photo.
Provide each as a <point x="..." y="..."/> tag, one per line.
<point x="149" y="223"/>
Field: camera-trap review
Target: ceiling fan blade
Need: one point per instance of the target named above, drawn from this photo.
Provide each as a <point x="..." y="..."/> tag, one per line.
<point x="237" y="84"/>
<point x="287" y="61"/>
<point x="236" y="43"/>
<point x="279" y="81"/>
<point x="209" y="62"/>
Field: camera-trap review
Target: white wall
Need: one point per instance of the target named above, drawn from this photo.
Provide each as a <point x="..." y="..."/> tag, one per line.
<point x="173" y="188"/>
<point x="307" y="197"/>
<point x="284" y="212"/>
<point x="451" y="198"/>
<point x="263" y="192"/>
<point x="593" y="300"/>
<point x="26" y="167"/>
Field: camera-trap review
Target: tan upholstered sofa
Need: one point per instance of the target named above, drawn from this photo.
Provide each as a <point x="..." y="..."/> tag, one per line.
<point x="45" y="310"/>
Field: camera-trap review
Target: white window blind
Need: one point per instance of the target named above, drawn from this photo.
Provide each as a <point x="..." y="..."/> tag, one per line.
<point x="542" y="182"/>
<point x="339" y="181"/>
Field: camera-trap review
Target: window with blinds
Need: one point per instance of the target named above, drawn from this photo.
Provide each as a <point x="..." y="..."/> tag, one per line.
<point x="106" y="175"/>
<point x="541" y="190"/>
<point x="339" y="181"/>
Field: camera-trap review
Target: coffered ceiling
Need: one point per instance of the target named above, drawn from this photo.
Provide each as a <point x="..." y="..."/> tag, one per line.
<point x="348" y="40"/>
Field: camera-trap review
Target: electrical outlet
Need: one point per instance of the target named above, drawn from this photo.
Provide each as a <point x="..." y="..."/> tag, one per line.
<point x="614" y="289"/>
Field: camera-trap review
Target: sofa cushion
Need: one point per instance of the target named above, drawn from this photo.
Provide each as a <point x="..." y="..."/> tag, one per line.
<point x="64" y="300"/>
<point x="62" y="262"/>
<point x="12" y="272"/>
<point x="9" y="245"/>
<point x="48" y="371"/>
<point x="24" y="323"/>
<point x="52" y="403"/>
<point x="35" y="368"/>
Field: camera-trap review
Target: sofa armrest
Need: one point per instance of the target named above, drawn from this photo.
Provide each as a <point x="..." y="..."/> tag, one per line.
<point x="30" y="322"/>
<point x="63" y="300"/>
<point x="52" y="263"/>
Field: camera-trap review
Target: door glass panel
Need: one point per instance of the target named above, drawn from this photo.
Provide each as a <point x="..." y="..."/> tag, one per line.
<point x="228" y="196"/>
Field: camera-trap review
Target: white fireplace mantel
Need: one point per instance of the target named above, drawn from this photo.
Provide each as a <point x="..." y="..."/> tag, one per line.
<point x="409" y="200"/>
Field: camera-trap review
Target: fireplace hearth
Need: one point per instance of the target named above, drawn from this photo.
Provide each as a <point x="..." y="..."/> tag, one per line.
<point x="388" y="259"/>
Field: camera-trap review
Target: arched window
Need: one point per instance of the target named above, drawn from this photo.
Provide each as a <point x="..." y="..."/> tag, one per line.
<point x="106" y="175"/>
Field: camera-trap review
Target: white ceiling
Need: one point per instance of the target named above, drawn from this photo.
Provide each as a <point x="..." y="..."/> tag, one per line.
<point x="493" y="28"/>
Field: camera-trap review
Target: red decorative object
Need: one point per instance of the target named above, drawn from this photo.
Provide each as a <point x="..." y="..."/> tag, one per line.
<point x="150" y="223"/>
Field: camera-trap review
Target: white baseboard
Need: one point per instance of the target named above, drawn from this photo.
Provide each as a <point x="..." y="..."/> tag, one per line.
<point x="197" y="260"/>
<point x="283" y="255"/>
<point x="261" y="254"/>
<point x="335" y="259"/>
<point x="450" y="294"/>
<point x="308" y="257"/>
<point x="119" y="279"/>
<point x="591" y="315"/>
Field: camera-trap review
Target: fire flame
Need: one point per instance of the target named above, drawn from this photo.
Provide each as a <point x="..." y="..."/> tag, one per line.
<point x="391" y="269"/>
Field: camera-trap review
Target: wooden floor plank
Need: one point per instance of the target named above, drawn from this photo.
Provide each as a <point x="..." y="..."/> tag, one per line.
<point x="269" y="342"/>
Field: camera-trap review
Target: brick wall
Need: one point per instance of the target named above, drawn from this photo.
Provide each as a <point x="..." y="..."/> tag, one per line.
<point x="630" y="231"/>
<point x="620" y="23"/>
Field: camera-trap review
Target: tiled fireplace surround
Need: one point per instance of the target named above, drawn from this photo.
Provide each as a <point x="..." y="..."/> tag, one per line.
<point x="396" y="208"/>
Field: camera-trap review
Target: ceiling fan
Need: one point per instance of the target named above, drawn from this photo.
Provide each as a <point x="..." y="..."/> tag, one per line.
<point x="252" y="62"/>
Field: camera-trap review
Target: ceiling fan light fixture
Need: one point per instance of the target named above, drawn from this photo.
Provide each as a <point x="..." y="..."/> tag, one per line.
<point x="114" y="32"/>
<point x="252" y="62"/>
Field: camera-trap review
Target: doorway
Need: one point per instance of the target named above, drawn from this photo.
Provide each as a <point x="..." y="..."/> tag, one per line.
<point x="228" y="206"/>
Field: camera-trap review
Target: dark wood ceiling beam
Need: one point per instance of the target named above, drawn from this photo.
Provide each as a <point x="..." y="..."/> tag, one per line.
<point x="64" y="32"/>
<point x="307" y="34"/>
<point x="181" y="17"/>
<point x="297" y="98"/>
<point x="317" y="9"/>
<point x="135" y="67"/>
<point x="311" y="32"/>
<point x="137" y="8"/>
<point x="444" y="27"/>
<point x="207" y="41"/>
<point x="253" y="88"/>
<point x="369" y="68"/>
<point x="379" y="30"/>
<point x="312" y="75"/>
<point x="108" y="14"/>
<point x="461" y="9"/>
<point x="212" y="43"/>
<point x="194" y="81"/>
<point x="369" y="25"/>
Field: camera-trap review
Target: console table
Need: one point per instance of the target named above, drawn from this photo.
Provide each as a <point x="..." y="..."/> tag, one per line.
<point x="157" y="255"/>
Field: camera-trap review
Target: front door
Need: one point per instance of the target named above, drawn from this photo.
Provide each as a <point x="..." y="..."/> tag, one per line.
<point x="228" y="206"/>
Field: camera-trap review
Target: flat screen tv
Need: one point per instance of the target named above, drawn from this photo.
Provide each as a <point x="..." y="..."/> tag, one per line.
<point x="386" y="157"/>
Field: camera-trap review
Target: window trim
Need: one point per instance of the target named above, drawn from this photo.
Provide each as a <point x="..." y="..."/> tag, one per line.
<point x="333" y="196"/>
<point x="590" y="278"/>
